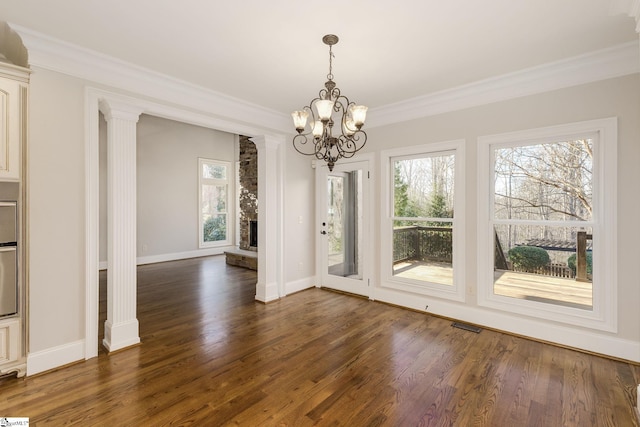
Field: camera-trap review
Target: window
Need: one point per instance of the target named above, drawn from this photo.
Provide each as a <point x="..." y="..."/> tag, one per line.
<point x="214" y="178"/>
<point x="544" y="225"/>
<point x="424" y="227"/>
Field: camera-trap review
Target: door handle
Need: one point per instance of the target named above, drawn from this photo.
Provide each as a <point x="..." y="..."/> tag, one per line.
<point x="323" y="232"/>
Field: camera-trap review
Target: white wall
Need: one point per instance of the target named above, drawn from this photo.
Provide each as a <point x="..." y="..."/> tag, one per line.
<point x="299" y="221"/>
<point x="614" y="97"/>
<point x="167" y="183"/>
<point x="56" y="214"/>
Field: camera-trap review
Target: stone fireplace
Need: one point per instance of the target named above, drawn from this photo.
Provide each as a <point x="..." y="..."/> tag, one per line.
<point x="248" y="201"/>
<point x="248" y="177"/>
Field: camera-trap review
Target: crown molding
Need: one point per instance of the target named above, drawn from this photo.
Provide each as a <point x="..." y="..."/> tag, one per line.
<point x="604" y="64"/>
<point x="62" y="57"/>
<point x="56" y="55"/>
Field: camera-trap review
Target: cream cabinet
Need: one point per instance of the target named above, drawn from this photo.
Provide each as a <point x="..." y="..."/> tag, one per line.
<point x="14" y="83"/>
<point x="14" y="86"/>
<point x="10" y="346"/>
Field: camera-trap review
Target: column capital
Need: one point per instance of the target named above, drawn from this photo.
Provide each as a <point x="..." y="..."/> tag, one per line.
<point x="267" y="142"/>
<point x="113" y="109"/>
<point x="629" y="7"/>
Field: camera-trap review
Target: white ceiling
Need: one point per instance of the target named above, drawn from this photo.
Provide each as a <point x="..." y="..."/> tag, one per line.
<point x="270" y="53"/>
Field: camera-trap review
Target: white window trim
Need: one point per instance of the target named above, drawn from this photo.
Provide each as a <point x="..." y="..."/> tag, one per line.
<point x="456" y="292"/>
<point x="229" y="182"/>
<point x="604" y="221"/>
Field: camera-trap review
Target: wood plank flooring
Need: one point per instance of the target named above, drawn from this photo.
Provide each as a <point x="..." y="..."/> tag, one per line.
<point x="212" y="356"/>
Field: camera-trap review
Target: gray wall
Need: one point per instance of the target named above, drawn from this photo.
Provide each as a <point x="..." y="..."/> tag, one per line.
<point x="609" y="98"/>
<point x="167" y="183"/>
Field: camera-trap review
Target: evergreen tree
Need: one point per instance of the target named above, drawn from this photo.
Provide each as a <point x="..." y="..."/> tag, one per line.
<point x="400" y="194"/>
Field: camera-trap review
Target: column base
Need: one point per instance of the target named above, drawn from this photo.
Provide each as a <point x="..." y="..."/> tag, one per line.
<point x="267" y="292"/>
<point x="120" y="335"/>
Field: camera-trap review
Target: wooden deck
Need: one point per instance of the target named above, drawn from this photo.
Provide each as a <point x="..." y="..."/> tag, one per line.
<point x="552" y="290"/>
<point x="533" y="287"/>
<point x="434" y="272"/>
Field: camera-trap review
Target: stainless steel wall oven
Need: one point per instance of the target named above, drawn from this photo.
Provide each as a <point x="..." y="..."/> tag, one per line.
<point x="8" y="258"/>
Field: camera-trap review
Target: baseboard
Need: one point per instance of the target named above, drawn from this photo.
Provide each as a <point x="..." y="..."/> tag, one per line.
<point x="270" y="292"/>
<point x="55" y="357"/>
<point x="592" y="341"/>
<point x="152" y="259"/>
<point x="299" y="285"/>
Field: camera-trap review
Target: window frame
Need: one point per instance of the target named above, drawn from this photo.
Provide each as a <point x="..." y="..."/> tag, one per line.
<point x="230" y="189"/>
<point x="456" y="291"/>
<point x="603" y="223"/>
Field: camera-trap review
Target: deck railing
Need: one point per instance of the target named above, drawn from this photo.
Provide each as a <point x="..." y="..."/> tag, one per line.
<point x="417" y="243"/>
<point x="422" y="244"/>
<point x="553" y="270"/>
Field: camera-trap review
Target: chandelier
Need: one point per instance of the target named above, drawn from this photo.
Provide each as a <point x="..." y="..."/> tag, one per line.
<point x="335" y="129"/>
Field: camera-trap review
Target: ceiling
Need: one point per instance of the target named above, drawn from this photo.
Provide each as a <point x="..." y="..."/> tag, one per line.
<point x="270" y="53"/>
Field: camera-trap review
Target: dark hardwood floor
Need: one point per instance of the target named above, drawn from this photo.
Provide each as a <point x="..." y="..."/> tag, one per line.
<point x="211" y="356"/>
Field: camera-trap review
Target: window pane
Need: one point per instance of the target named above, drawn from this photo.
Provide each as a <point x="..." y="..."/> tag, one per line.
<point x="344" y="224"/>
<point x="545" y="264"/>
<point x="423" y="251"/>
<point x="214" y="227"/>
<point x="551" y="182"/>
<point x="214" y="171"/>
<point x="423" y="187"/>
<point x="214" y="199"/>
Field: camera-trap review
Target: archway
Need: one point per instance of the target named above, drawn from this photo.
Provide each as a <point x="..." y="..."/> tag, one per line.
<point x="121" y="330"/>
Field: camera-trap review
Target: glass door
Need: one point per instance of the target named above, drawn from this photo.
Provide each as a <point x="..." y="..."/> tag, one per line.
<point x="343" y="196"/>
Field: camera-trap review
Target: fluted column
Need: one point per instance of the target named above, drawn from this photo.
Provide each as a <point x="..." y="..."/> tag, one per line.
<point x="269" y="286"/>
<point x="121" y="327"/>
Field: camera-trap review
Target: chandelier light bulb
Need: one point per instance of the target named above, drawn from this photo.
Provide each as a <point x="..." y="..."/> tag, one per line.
<point x="349" y="127"/>
<point x="300" y="120"/>
<point x="324" y="108"/>
<point x="359" y="114"/>
<point x="318" y="129"/>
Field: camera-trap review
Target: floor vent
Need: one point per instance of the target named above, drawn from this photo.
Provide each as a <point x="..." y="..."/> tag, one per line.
<point x="466" y="327"/>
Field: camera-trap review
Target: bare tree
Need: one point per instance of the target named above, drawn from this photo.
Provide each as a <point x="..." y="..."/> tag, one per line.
<point x="546" y="181"/>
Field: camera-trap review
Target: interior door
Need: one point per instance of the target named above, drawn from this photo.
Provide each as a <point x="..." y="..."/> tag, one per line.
<point x="343" y="197"/>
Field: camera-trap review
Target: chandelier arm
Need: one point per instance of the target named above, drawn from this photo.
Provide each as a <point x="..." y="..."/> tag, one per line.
<point x="300" y="141"/>
<point x="348" y="146"/>
<point x="336" y="96"/>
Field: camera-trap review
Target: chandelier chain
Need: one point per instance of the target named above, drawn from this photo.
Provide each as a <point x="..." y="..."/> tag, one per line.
<point x="331" y="56"/>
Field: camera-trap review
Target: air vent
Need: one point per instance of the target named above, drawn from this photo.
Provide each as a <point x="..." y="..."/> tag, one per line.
<point x="466" y="327"/>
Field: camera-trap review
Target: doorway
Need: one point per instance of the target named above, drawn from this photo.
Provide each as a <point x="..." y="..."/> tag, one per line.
<point x="344" y="225"/>
<point x="268" y="286"/>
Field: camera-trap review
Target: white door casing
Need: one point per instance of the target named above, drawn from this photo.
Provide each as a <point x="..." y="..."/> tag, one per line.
<point x="344" y="239"/>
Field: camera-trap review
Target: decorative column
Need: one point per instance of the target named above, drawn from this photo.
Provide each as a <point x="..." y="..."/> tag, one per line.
<point x="121" y="326"/>
<point x="270" y="213"/>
